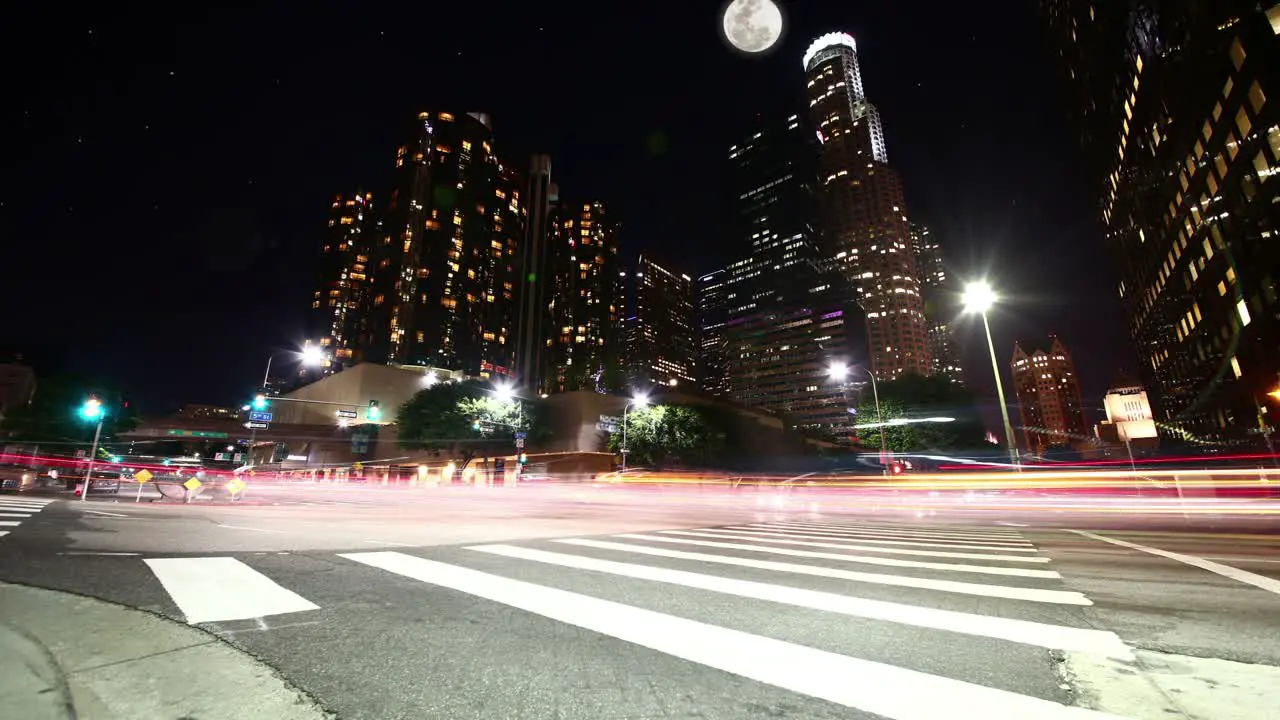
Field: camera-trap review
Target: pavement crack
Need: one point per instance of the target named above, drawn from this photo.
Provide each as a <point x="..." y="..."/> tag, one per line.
<point x="148" y="656"/>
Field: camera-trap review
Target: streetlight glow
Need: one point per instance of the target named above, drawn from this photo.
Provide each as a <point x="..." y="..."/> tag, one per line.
<point x="312" y="355"/>
<point x="505" y="392"/>
<point x="640" y="401"/>
<point x="978" y="297"/>
<point x="838" y="371"/>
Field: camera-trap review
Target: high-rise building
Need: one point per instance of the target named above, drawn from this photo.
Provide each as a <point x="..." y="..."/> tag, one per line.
<point x="864" y="210"/>
<point x="1048" y="393"/>
<point x="712" y="319"/>
<point x="585" y="348"/>
<point x="338" y="323"/>
<point x="446" y="267"/>
<point x="661" y="338"/>
<point x="536" y="281"/>
<point x="1180" y="133"/>
<point x="940" y="307"/>
<point x="785" y="314"/>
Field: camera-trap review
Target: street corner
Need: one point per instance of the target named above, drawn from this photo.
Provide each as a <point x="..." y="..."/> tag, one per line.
<point x="65" y="655"/>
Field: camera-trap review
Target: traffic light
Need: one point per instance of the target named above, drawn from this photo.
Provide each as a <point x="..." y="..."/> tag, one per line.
<point x="92" y="409"/>
<point x="374" y="413"/>
<point x="524" y="459"/>
<point x="475" y="425"/>
<point x="260" y="402"/>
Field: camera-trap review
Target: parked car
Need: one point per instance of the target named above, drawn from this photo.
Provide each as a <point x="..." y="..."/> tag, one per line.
<point x="17" y="478"/>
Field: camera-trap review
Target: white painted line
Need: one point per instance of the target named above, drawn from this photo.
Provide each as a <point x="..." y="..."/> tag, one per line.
<point x="104" y="554"/>
<point x="21" y="506"/>
<point x="213" y="589"/>
<point x="944" y="530"/>
<point x="1244" y="559"/>
<point x="3" y="533"/>
<point x="10" y="523"/>
<point x="108" y="514"/>
<point x="864" y="559"/>
<point x="1259" y="581"/>
<point x="933" y="537"/>
<point x="884" y="690"/>
<point x="393" y="544"/>
<point x="781" y="539"/>
<point x="21" y="515"/>
<point x="883" y="539"/>
<point x="1054" y="637"/>
<point x="1013" y="524"/>
<point x="1061" y="597"/>
<point x="240" y="527"/>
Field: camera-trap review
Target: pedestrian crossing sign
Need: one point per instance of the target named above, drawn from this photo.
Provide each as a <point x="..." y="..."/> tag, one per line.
<point x="192" y="484"/>
<point x="235" y="485"/>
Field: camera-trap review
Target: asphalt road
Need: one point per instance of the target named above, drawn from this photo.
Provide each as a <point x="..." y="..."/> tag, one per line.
<point x="610" y="603"/>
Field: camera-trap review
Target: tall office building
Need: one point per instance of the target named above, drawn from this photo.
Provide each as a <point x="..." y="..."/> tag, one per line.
<point x="585" y="347"/>
<point x="1181" y="136"/>
<point x="1048" y="393"/>
<point x="661" y="336"/>
<point x="785" y="314"/>
<point x="940" y="306"/>
<point x="446" y="266"/>
<point x="338" y="321"/>
<point x="534" y="322"/>
<point x="863" y="208"/>
<point x="712" y="322"/>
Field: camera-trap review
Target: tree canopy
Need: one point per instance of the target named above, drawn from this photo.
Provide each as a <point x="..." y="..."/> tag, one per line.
<point x="463" y="413"/>
<point x="917" y="398"/>
<point x="671" y="435"/>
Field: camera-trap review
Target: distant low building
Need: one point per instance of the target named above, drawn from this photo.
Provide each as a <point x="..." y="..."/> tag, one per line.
<point x="1129" y="417"/>
<point x="208" y="412"/>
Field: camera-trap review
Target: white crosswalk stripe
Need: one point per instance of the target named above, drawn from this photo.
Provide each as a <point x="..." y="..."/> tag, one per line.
<point x="997" y="540"/>
<point x="782" y="539"/>
<point x="213" y="589"/>
<point x="15" y="510"/>
<point x="880" y="539"/>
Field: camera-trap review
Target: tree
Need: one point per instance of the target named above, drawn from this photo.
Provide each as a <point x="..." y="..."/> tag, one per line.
<point x="670" y="434"/>
<point x="53" y="417"/>
<point x="463" y="416"/>
<point x="914" y="397"/>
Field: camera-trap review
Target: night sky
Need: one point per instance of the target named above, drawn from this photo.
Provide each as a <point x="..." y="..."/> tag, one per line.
<point x="167" y="171"/>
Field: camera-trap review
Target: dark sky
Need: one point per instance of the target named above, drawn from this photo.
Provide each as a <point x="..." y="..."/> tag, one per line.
<point x="167" y="170"/>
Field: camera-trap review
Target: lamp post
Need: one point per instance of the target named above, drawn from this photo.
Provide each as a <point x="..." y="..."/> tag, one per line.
<point x="92" y="410"/>
<point x="638" y="401"/>
<point x="839" y="371"/>
<point x="979" y="297"/>
<point x="310" y="355"/>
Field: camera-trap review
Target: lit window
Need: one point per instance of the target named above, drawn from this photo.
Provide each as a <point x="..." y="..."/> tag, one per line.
<point x="1256" y="97"/>
<point x="1242" y="309"/>
<point x="1243" y="123"/>
<point x="1237" y="53"/>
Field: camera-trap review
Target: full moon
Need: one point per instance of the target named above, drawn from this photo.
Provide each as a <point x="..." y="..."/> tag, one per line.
<point x="752" y="26"/>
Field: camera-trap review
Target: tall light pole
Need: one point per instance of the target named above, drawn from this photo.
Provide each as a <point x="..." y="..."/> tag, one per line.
<point x="839" y="371"/>
<point x="638" y="401"/>
<point x="310" y="355"/>
<point x="979" y="297"/>
<point x="92" y="410"/>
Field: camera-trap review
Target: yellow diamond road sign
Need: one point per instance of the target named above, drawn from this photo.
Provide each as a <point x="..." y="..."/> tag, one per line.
<point x="192" y="484"/>
<point x="234" y="486"/>
<point x="143" y="476"/>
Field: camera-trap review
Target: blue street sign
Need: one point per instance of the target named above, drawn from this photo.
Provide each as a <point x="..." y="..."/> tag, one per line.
<point x="259" y="416"/>
<point x="522" y="435"/>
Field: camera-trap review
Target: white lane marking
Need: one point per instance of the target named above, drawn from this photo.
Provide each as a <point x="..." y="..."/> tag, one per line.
<point x="1054" y="637"/>
<point x="864" y="559"/>
<point x="856" y="532"/>
<point x="213" y="589"/>
<point x="21" y="506"/>
<point x="21" y="515"/>
<point x="106" y="554"/>
<point x="10" y="523"/>
<point x="1243" y="559"/>
<point x="254" y="529"/>
<point x="392" y="544"/>
<point x="3" y="533"/>
<point x="884" y="690"/>
<point x="1012" y="524"/>
<point x="840" y="544"/>
<point x="108" y="514"/>
<point x="1259" y="581"/>
<point x="1061" y="597"/>
<point x="881" y="539"/>
<point x="996" y="534"/>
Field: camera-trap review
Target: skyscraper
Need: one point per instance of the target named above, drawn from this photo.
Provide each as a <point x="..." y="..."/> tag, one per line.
<point x="1182" y="141"/>
<point x="446" y="267"/>
<point x="712" y="320"/>
<point x="585" y="348"/>
<point x="338" y="322"/>
<point x="863" y="208"/>
<point x="940" y="307"/>
<point x="661" y="338"/>
<point x="786" y="315"/>
<point x="536" y="280"/>
<point x="1048" y="393"/>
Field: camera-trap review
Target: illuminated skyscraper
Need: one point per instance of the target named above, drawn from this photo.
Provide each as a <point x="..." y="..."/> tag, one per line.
<point x="940" y="306"/>
<point x="585" y="304"/>
<point x="338" y="321"/>
<point x="446" y="267"/>
<point x="661" y="334"/>
<point x="863" y="209"/>
<point x="1048" y="393"/>
<point x="1179" y="125"/>
<point x="713" y="317"/>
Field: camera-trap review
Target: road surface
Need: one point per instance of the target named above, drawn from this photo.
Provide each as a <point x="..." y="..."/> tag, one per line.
<point x="612" y="603"/>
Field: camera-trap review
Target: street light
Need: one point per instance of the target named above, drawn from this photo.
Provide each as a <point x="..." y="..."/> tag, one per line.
<point x="638" y="401"/>
<point x="92" y="410"/>
<point x="978" y="297"/>
<point x="839" y="372"/>
<point x="310" y="355"/>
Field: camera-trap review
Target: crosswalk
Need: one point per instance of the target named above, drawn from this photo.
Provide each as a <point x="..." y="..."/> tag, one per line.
<point x="16" y="509"/>
<point x="945" y="584"/>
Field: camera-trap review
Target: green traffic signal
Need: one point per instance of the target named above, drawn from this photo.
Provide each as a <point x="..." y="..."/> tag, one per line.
<point x="92" y="409"/>
<point x="475" y="425"/>
<point x="374" y="413"/>
<point x="260" y="402"/>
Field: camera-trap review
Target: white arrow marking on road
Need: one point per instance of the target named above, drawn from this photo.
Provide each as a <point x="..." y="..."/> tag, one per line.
<point x="1259" y="581"/>
<point x="213" y="589"/>
<point x="1054" y="637"/>
<point x="873" y="687"/>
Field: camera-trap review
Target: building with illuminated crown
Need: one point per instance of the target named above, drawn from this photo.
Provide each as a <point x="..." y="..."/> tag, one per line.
<point x="1178" y="116"/>
<point x="445" y="268"/>
<point x="338" y="321"/>
<point x="1048" y="393"/>
<point x="863" y="209"/>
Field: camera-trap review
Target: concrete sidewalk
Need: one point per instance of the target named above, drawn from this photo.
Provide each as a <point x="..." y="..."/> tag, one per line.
<point x="67" y="656"/>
